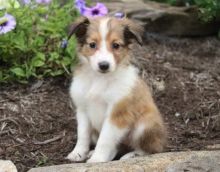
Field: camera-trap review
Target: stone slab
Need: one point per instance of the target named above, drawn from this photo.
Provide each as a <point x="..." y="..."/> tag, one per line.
<point x="169" y="162"/>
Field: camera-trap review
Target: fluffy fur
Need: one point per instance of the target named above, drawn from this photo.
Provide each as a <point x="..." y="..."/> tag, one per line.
<point x="114" y="106"/>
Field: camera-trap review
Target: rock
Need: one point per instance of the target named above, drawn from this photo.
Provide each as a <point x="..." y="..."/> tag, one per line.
<point x="195" y="164"/>
<point x="7" y="166"/>
<point x="153" y="163"/>
<point x="165" y="19"/>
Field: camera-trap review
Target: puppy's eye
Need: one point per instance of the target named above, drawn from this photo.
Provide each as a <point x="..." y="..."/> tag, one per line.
<point x="92" y="45"/>
<point x="115" y="46"/>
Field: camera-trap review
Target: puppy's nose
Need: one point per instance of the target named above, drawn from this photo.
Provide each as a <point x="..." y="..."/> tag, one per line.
<point x="104" y="66"/>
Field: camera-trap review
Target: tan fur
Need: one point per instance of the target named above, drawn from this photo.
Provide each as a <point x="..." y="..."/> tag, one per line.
<point x="115" y="36"/>
<point x="139" y="108"/>
<point x="92" y="35"/>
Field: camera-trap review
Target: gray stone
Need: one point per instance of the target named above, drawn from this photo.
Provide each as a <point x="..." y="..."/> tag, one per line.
<point x="165" y="19"/>
<point x="195" y="164"/>
<point x="7" y="166"/>
<point x="152" y="163"/>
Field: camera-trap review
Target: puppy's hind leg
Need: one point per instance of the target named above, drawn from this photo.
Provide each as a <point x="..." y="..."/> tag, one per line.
<point x="147" y="139"/>
<point x="153" y="138"/>
<point x="135" y="137"/>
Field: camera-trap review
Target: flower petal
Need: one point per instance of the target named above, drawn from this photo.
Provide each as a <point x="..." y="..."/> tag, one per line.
<point x="96" y="11"/>
<point x="9" y="25"/>
<point x="26" y="1"/>
<point x="43" y="1"/>
<point x="87" y="12"/>
<point x="102" y="8"/>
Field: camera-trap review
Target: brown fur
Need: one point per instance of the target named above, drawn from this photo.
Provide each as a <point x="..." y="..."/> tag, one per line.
<point x="92" y="35"/>
<point x="139" y="108"/>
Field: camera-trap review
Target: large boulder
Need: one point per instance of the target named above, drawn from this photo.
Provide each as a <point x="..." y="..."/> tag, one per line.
<point x="166" y="19"/>
<point x="196" y="161"/>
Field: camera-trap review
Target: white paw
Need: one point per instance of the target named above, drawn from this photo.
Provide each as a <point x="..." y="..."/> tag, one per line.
<point x="128" y="156"/>
<point x="96" y="159"/>
<point x="77" y="156"/>
<point x="132" y="155"/>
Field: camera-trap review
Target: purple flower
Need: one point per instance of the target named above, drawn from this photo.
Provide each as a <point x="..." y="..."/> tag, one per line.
<point x="97" y="11"/>
<point x="43" y="1"/>
<point x="7" y="23"/>
<point x="80" y="4"/>
<point x="64" y="43"/>
<point x="26" y="1"/>
<point x="119" y="15"/>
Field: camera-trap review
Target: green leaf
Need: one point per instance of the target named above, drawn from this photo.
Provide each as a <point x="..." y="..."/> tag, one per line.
<point x="38" y="60"/>
<point x="53" y="56"/>
<point x="18" y="71"/>
<point x="57" y="72"/>
<point x="40" y="56"/>
<point x="66" y="61"/>
<point x="9" y="4"/>
<point x="37" y="63"/>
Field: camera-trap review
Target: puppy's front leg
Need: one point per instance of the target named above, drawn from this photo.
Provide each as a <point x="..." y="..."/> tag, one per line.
<point x="109" y="138"/>
<point x="81" y="149"/>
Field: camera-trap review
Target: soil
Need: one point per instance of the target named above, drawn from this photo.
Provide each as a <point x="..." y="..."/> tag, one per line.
<point x="37" y="121"/>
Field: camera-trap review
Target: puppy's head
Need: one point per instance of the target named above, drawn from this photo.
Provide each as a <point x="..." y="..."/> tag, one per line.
<point x="104" y="43"/>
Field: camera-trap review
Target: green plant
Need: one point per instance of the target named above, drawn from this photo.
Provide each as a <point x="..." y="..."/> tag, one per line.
<point x="209" y="9"/>
<point x="32" y="49"/>
<point x="42" y="160"/>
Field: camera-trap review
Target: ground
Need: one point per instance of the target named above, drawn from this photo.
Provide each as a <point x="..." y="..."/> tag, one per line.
<point x="37" y="121"/>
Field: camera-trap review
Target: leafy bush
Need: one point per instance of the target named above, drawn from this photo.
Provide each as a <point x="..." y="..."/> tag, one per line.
<point x="209" y="9"/>
<point x="32" y="49"/>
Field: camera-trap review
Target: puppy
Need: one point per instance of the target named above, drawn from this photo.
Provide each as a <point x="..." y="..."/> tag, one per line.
<point x="113" y="105"/>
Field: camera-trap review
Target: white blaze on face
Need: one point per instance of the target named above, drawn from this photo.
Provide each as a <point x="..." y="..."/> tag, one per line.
<point x="102" y="54"/>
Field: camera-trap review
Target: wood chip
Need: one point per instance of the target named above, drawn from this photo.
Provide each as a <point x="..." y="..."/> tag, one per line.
<point x="49" y="140"/>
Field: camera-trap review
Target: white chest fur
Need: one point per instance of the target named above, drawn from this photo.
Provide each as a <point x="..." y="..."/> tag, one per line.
<point x="95" y="93"/>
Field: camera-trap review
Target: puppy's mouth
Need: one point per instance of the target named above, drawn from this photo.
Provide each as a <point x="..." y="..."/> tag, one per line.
<point x="104" y="71"/>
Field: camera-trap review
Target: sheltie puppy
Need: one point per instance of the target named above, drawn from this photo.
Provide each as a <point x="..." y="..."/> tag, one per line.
<point x="114" y="105"/>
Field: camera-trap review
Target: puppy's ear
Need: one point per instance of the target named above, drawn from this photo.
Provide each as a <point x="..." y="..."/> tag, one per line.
<point x="133" y="31"/>
<point x="79" y="28"/>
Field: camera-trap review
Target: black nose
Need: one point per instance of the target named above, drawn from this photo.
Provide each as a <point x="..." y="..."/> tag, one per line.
<point x="104" y="66"/>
